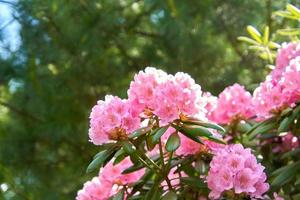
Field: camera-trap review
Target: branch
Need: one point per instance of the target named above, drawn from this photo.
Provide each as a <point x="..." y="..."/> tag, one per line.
<point x="20" y="112"/>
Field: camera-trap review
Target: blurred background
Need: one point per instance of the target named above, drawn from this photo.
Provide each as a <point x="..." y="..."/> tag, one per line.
<point x="58" y="57"/>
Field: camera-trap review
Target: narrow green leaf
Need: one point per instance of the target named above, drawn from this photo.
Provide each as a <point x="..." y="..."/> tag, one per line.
<point x="294" y="10"/>
<point x="286" y="175"/>
<point x="119" y="156"/>
<point x="248" y="40"/>
<point x="286" y="14"/>
<point x="157" y="135"/>
<point x="192" y="137"/>
<point x="263" y="129"/>
<point x="206" y="124"/>
<point x="128" y="148"/>
<point x="289" y="31"/>
<point x="140" y="132"/>
<point x="98" y="161"/>
<point x="197" y="130"/>
<point x="285" y="124"/>
<point x="194" y="182"/>
<point x="170" y="196"/>
<point x="266" y="35"/>
<point x="173" y="142"/>
<point x="273" y="45"/>
<point x="254" y="33"/>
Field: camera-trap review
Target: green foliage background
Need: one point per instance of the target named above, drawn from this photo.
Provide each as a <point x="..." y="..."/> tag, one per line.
<point x="73" y="52"/>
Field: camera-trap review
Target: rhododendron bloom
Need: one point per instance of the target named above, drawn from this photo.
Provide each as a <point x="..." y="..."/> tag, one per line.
<point x="234" y="167"/>
<point x="113" y="173"/>
<point x="166" y="96"/>
<point x="291" y="81"/>
<point x="141" y="91"/>
<point x="95" y="190"/>
<point x="285" y="54"/>
<point x="112" y="119"/>
<point x="233" y="103"/>
<point x="211" y="104"/>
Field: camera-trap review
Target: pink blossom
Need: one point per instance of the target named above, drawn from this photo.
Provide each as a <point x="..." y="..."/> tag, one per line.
<point x="291" y="81"/>
<point x="287" y="52"/>
<point x="141" y="91"/>
<point x="269" y="98"/>
<point x="166" y="96"/>
<point x="234" y="167"/>
<point x="111" y="119"/>
<point x="272" y="96"/>
<point x="211" y="104"/>
<point x="95" y="190"/>
<point x="178" y="95"/>
<point x="233" y="103"/>
<point x="113" y="173"/>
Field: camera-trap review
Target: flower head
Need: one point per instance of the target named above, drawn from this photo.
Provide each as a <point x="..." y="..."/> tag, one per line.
<point x="112" y="119"/>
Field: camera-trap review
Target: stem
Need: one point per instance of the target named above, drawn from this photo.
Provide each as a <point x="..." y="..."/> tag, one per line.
<point x="161" y="154"/>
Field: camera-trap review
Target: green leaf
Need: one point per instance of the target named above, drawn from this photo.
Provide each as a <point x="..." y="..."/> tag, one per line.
<point x="243" y="127"/>
<point x="194" y="182"/>
<point x="206" y="124"/>
<point x="273" y="45"/>
<point x="197" y="130"/>
<point x="216" y="139"/>
<point x="140" y="132"/>
<point x="192" y="137"/>
<point x="157" y="135"/>
<point x="119" y="156"/>
<point x="254" y="33"/>
<point x="294" y="10"/>
<point x="286" y="174"/>
<point x="266" y="35"/>
<point x="170" y="196"/>
<point x="128" y="148"/>
<point x="98" y="161"/>
<point x="286" y="14"/>
<point x="285" y="124"/>
<point x="173" y="142"/>
<point x="289" y="31"/>
<point x="263" y="129"/>
<point x="248" y="40"/>
<point x="119" y="195"/>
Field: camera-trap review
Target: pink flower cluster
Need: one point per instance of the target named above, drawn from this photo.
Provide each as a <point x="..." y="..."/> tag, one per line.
<point x="235" y="168"/>
<point x="282" y="87"/>
<point x="112" y="119"/>
<point x="233" y="103"/>
<point x="166" y="96"/>
<point x="151" y="92"/>
<point x="109" y="181"/>
<point x="94" y="190"/>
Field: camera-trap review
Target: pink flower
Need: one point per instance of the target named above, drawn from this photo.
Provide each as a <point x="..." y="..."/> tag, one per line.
<point x="95" y="190"/>
<point x="233" y="103"/>
<point x="113" y="173"/>
<point x="234" y="167"/>
<point x="141" y="91"/>
<point x="178" y="95"/>
<point x="288" y="52"/>
<point x="245" y="181"/>
<point x="269" y="98"/>
<point x="112" y="119"/>
<point x="211" y="104"/>
<point x="166" y="96"/>
<point x="275" y="94"/>
<point x="291" y="81"/>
